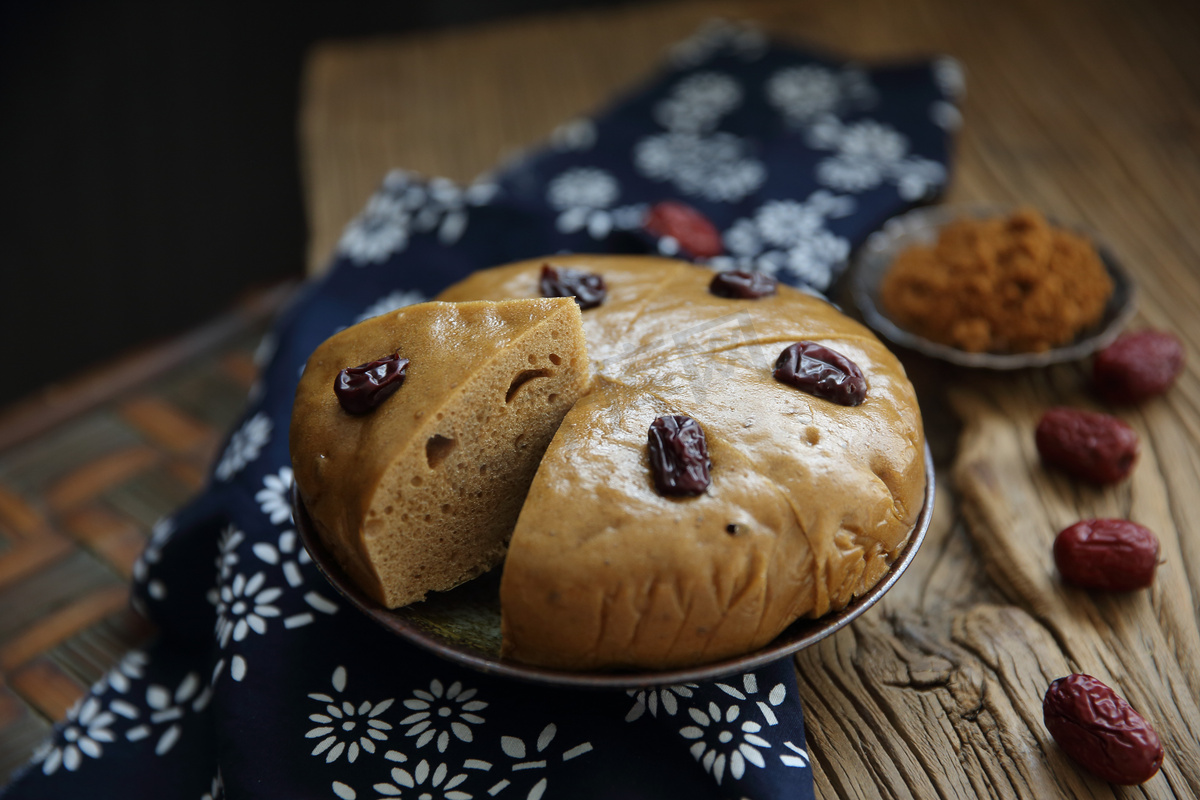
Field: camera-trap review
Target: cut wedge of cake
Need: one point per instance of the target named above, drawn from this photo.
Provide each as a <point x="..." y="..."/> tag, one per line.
<point x="420" y="492"/>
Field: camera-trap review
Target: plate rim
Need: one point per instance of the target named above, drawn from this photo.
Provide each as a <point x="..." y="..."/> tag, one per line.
<point x="866" y="274"/>
<point x="803" y="632"/>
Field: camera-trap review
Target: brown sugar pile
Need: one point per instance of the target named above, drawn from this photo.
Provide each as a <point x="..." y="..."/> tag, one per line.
<point x="1003" y="285"/>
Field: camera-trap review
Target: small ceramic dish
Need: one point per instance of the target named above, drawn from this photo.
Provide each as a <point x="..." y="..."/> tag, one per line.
<point x="921" y="227"/>
<point x="463" y="625"/>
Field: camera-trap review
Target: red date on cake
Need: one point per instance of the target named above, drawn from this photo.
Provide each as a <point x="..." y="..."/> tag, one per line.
<point x="1113" y="555"/>
<point x="822" y="372"/>
<point x="743" y="285"/>
<point x="679" y="458"/>
<point x="1098" y="448"/>
<point x="1100" y="731"/>
<point x="1137" y="366"/>
<point x="363" y="388"/>
<point x="588" y="288"/>
<point x="697" y="236"/>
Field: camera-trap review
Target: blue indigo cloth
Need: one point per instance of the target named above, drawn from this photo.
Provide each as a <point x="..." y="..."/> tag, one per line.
<point x="264" y="683"/>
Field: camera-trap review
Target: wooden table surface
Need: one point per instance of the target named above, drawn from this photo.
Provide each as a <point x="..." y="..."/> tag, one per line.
<point x="1088" y="111"/>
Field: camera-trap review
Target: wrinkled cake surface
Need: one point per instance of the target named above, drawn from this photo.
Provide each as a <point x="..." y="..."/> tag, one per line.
<point x="809" y="504"/>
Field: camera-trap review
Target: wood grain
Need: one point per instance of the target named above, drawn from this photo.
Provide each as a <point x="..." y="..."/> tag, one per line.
<point x="1085" y="110"/>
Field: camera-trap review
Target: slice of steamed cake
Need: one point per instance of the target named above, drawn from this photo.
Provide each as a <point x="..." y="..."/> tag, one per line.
<point x="421" y="492"/>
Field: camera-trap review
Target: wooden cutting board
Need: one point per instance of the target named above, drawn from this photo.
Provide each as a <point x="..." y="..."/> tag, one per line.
<point x="1087" y="111"/>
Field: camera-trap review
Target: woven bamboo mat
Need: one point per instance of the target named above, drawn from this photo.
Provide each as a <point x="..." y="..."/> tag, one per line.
<point x="85" y="471"/>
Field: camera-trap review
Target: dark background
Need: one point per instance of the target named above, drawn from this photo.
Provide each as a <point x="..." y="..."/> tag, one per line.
<point x="149" y="165"/>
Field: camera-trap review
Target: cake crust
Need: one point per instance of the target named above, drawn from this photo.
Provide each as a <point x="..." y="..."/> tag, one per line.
<point x="809" y="505"/>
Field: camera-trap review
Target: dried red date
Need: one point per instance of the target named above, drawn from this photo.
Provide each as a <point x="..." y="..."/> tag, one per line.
<point x="695" y="234"/>
<point x="1100" y="731"/>
<point x="1137" y="366"/>
<point x="822" y="372"/>
<point x="1113" y="555"/>
<point x="361" y="389"/>
<point x="587" y="288"/>
<point x="679" y="458"/>
<point x="743" y="285"/>
<point x="1095" y="447"/>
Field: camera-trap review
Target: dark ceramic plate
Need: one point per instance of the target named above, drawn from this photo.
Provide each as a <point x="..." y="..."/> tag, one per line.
<point x="922" y="227"/>
<point x="463" y="625"/>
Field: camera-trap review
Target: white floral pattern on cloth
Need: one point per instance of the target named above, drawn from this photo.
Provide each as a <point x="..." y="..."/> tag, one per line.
<point x="868" y="154"/>
<point x="86" y="730"/>
<point x="440" y="712"/>
<point x="949" y="76"/>
<point x="345" y="727"/>
<point x="123" y="709"/>
<point x="121" y="677"/>
<point x="692" y="156"/>
<point x="160" y="534"/>
<point x="268" y="345"/>
<point x="698" y="102"/>
<point x="577" y="135"/>
<point x="245" y="445"/>
<point x="665" y="697"/>
<point x="585" y="199"/>
<point x="807" y="93"/>
<point x="166" y="709"/>
<point x="749" y="692"/>
<point x="243" y="606"/>
<point x="442" y="716"/>
<point x="717" y="37"/>
<point x="789" y="237"/>
<point x="528" y="759"/>
<point x="227" y="551"/>
<point x="246" y="603"/>
<point x="275" y="498"/>
<point x="429" y="781"/>
<point x="714" y="167"/>
<point x="724" y="740"/>
<point x="406" y="205"/>
<point x="287" y="554"/>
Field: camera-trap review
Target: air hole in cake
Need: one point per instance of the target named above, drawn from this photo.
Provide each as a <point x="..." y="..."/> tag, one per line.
<point x="440" y="416"/>
<point x="416" y="480"/>
<point x="555" y="359"/>
<point x="812" y="434"/>
<point x="550" y="398"/>
<point x="532" y="358"/>
<point x="519" y="441"/>
<point x="437" y="448"/>
<point x="482" y="469"/>
<point x="732" y="528"/>
<point x="523" y="377"/>
<point x="388" y="511"/>
<point x="445" y="508"/>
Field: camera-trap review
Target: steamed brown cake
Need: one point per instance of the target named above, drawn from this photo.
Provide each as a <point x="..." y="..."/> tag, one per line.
<point x="421" y="493"/>
<point x="810" y="501"/>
